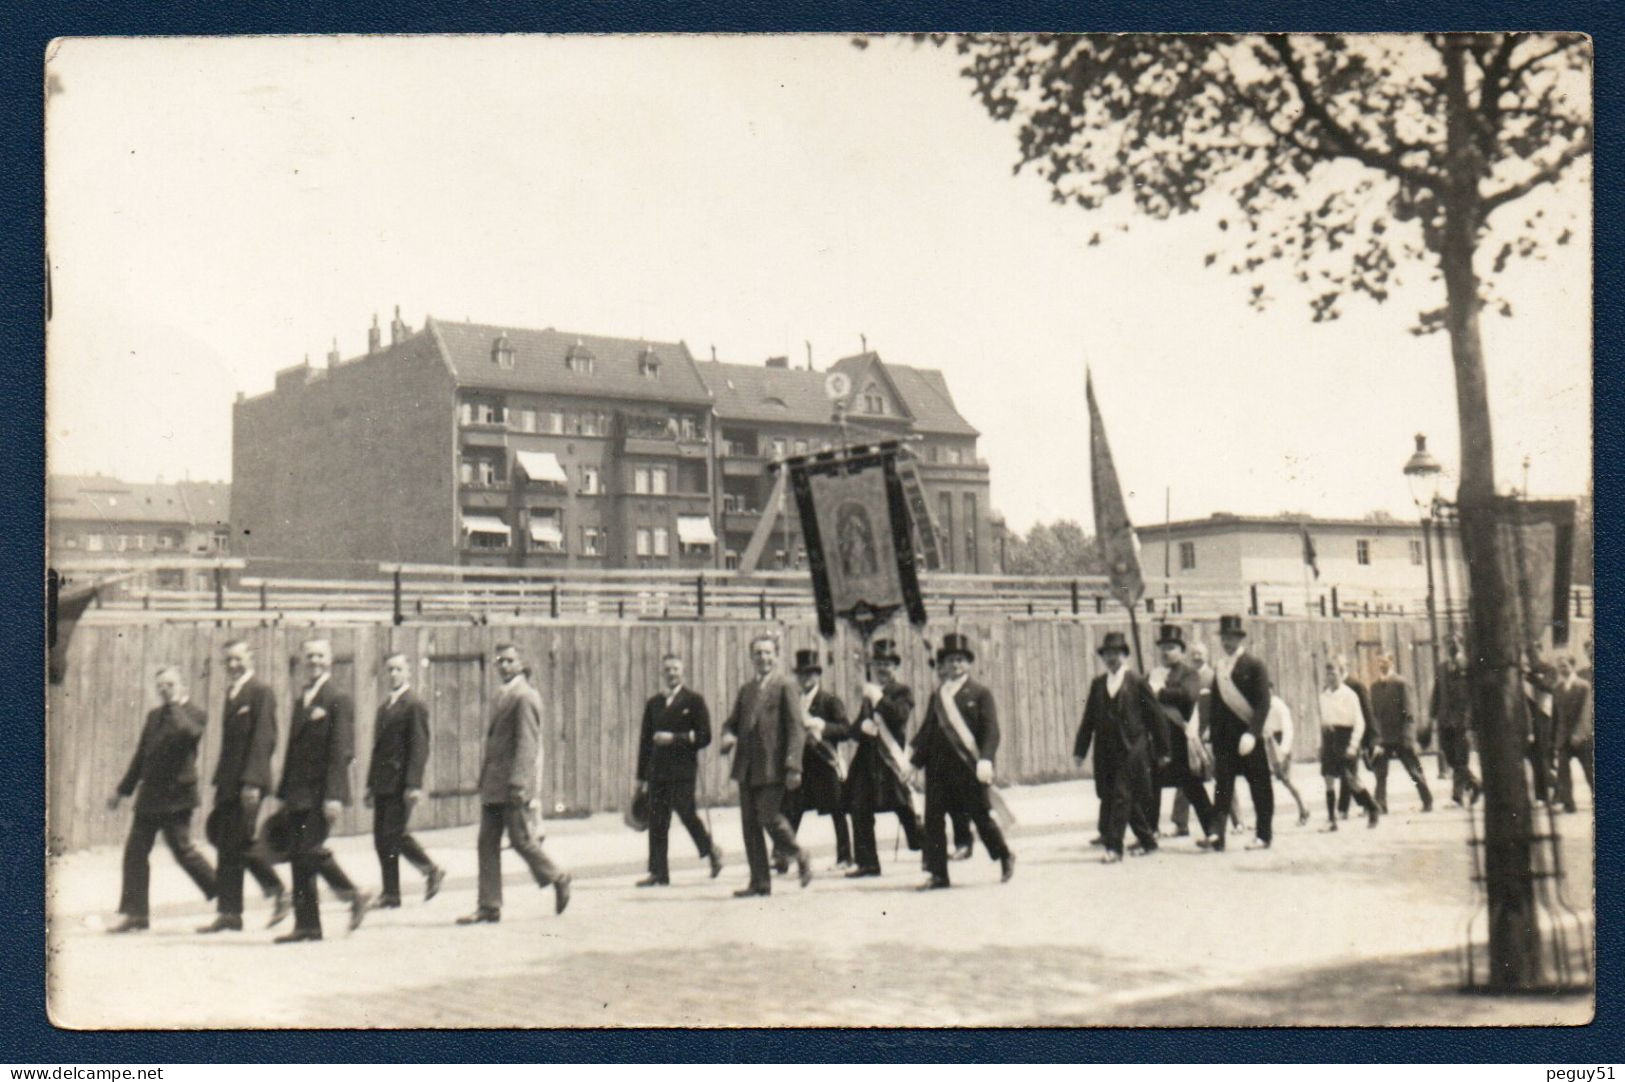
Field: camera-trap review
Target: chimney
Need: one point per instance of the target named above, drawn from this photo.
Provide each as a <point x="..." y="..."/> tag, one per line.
<point x="778" y="362"/>
<point x="374" y="335"/>
<point x="713" y="354"/>
<point x="397" y="329"/>
<point x="809" y="356"/>
<point x="333" y="355"/>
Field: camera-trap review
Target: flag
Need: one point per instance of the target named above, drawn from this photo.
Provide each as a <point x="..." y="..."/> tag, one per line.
<point x="1113" y="533"/>
<point x="1309" y="551"/>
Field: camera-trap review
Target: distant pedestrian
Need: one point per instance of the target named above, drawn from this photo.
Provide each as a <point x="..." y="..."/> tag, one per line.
<point x="1574" y="731"/>
<point x="1451" y="710"/>
<point x="400" y="750"/>
<point x="1342" y="724"/>
<point x="1278" y="735"/>
<point x="1394" y="705"/>
<point x="1539" y="683"/>
<point x="676" y="728"/>
<point x="1125" y="724"/>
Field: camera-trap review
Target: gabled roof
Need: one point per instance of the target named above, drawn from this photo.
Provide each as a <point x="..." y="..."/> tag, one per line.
<point x="107" y="499"/>
<point x="539" y="363"/>
<point x="746" y="392"/>
<point x="922" y="391"/>
<point x="864" y="367"/>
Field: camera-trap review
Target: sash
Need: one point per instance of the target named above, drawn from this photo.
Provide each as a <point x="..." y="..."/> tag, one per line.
<point x="1233" y="698"/>
<point x="827" y="753"/>
<point x="891" y="755"/>
<point x="965" y="746"/>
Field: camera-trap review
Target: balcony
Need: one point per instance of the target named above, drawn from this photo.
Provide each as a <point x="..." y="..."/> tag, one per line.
<point x="743" y="465"/>
<point x="485" y="435"/>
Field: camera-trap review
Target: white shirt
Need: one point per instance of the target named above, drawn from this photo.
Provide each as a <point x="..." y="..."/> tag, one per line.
<point x="672" y="694"/>
<point x="310" y="692"/>
<point x="1227" y="663"/>
<point x="1340" y="709"/>
<point x="807" y="697"/>
<point x="1114" y="680"/>
<point x="1157" y="678"/>
<point x="395" y="696"/>
<point x="237" y="684"/>
<point x="952" y="686"/>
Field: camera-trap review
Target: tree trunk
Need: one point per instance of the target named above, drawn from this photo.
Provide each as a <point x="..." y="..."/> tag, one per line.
<point x="1493" y="643"/>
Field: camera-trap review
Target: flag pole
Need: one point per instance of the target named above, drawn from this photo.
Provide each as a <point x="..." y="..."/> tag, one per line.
<point x="1134" y="626"/>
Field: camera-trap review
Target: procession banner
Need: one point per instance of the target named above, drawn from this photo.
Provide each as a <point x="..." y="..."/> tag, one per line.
<point x="1113" y="532"/>
<point x="1538" y="555"/>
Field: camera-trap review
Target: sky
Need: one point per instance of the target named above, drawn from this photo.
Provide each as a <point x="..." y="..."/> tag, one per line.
<point x="217" y="209"/>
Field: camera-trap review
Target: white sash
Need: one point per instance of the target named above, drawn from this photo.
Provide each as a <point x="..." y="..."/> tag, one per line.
<point x="956" y="722"/>
<point x="1233" y="698"/>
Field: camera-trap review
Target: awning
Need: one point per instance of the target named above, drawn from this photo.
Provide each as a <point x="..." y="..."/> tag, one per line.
<point x="695" y="530"/>
<point x="485" y="524"/>
<point x="546" y="532"/>
<point x="542" y="466"/>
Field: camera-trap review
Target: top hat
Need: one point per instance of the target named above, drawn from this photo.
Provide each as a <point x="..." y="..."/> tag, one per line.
<point x="955" y="643"/>
<point x="1231" y="625"/>
<point x="807" y="661"/>
<point x="1114" y="640"/>
<point x="885" y="650"/>
<point x="1170" y="635"/>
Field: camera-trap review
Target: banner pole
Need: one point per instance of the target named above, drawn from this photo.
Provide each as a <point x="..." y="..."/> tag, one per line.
<point x="1134" y="626"/>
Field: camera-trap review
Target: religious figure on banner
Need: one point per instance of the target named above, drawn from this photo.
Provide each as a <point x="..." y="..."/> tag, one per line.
<point x="857" y="540"/>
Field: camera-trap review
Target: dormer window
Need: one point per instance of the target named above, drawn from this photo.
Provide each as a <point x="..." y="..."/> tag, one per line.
<point x="502" y="351"/>
<point x="648" y="364"/>
<point x="578" y="358"/>
<point x="873" y="401"/>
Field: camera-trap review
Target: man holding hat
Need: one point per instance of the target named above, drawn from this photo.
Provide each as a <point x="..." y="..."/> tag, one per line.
<point x="1241" y="705"/>
<point x="1132" y="732"/>
<point x="956" y="744"/>
<point x="1179" y="695"/>
<point x="877" y="780"/>
<point x="821" y="767"/>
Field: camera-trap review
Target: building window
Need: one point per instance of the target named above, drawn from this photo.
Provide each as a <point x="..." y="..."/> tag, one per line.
<point x="648" y="364"/>
<point x="1362" y="552"/>
<point x="483" y="412"/>
<point x="657" y="480"/>
<point x="547" y="530"/>
<point x="801" y="447"/>
<point x="972" y="547"/>
<point x="93" y="542"/>
<point x="502" y="351"/>
<point x="945" y="512"/>
<point x="485" y="530"/>
<point x="778" y="448"/>
<point x="1416" y="553"/>
<point x="590" y="485"/>
<point x="873" y="401"/>
<point x="578" y="358"/>
<point x="592" y="541"/>
<point x="643" y="541"/>
<point x="662" y="541"/>
<point x="594" y="424"/>
<point x="730" y="560"/>
<point x="141" y="542"/>
<point x="552" y="423"/>
<point x="70" y="542"/>
<point x="951" y="455"/>
<point x="527" y="420"/>
<point x="1187" y="555"/>
<point x="640" y="480"/>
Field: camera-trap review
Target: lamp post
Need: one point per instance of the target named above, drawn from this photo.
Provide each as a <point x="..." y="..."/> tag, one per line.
<point x="1424" y="476"/>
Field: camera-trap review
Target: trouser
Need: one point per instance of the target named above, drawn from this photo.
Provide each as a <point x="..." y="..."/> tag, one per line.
<point x="235" y="853"/>
<point x="941" y="800"/>
<point x="312" y="858"/>
<point x="1128" y="795"/>
<point x="1188" y="794"/>
<point x="1406" y="754"/>
<point x="843" y="838"/>
<point x="176" y="827"/>
<point x="495" y="819"/>
<point x="865" y="854"/>
<point x="1565" y="771"/>
<point x="964" y="836"/>
<point x="668" y="795"/>
<point x="1455" y="750"/>
<point x="1228" y="762"/>
<point x="1343" y="786"/>
<point x="761" y="812"/>
<point x="389" y="837"/>
<point x="1540" y="757"/>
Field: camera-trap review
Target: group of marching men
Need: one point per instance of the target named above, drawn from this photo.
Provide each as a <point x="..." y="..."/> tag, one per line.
<point x="1175" y="727"/>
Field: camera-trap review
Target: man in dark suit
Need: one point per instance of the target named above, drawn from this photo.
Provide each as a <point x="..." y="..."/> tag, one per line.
<point x="1132" y="734"/>
<point x="315" y="788"/>
<point x="676" y="725"/>
<point x="822" y="772"/>
<point x="767" y="732"/>
<point x="164" y="768"/>
<point x="1393" y="704"/>
<point x="1451" y="710"/>
<point x="242" y="780"/>
<point x="877" y="779"/>
<point x="400" y="748"/>
<point x="956" y="745"/>
<point x="1368" y="738"/>
<point x="1574" y="731"/>
<point x="1179" y="697"/>
<point x="1539" y="682"/>
<point x="508" y="787"/>
<point x="1241" y="704"/>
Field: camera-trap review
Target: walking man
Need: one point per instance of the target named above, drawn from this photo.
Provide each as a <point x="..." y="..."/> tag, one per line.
<point x="400" y="749"/>
<point x="1392" y="704"/>
<point x="315" y="788"/>
<point x="1179" y="696"/>
<point x="1342" y="724"/>
<point x="956" y="745"/>
<point x="1574" y="731"/>
<point x="877" y="780"/>
<point x="767" y="732"/>
<point x="1201" y="751"/>
<point x="163" y="778"/>
<point x="242" y="779"/>
<point x="1132" y="733"/>
<point x="1278" y="745"/>
<point x="1241" y="705"/>
<point x="822" y="772"/>
<point x="676" y="725"/>
<point x="1368" y="742"/>
<point x="1539" y="682"/>
<point x="513" y="743"/>
<point x="1452" y="712"/>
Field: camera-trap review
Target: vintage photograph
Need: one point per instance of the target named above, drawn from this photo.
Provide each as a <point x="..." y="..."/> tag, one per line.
<point x="987" y="530"/>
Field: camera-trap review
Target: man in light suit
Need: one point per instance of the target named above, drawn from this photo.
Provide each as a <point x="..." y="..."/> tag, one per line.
<point x="242" y="780"/>
<point x="164" y="768"/>
<point x="767" y="734"/>
<point x="507" y="788"/>
<point x="676" y="725"/>
<point x="400" y="748"/>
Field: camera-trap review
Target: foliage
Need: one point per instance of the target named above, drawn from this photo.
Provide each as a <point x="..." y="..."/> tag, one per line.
<point x="1060" y="548"/>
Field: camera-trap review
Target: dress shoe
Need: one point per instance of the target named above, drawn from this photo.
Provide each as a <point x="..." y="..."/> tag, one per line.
<point x="716" y="860"/>
<point x="1371" y="816"/>
<point x="1214" y="843"/>
<point x="223" y="923"/>
<point x="129" y="924"/>
<point x="482" y="916"/>
<point x="804" y="867"/>
<point x="1258" y="843"/>
<point x="281" y="906"/>
<point x="1427" y="806"/>
<point x="936" y="882"/>
<point x="432" y="885"/>
<point x="300" y="935"/>
<point x="1182" y="832"/>
<point x="1329" y="828"/>
<point x="1097" y="841"/>
<point x="387" y="901"/>
<point x="781" y="865"/>
<point x="360" y="902"/>
<point x="1142" y="850"/>
<point x="862" y="873"/>
<point x="652" y="881"/>
<point x="753" y="892"/>
<point x="1007" y="867"/>
<point x="1111" y="856"/>
<point x="963" y="852"/>
<point x="561" y="893"/>
<point x="1303" y="817"/>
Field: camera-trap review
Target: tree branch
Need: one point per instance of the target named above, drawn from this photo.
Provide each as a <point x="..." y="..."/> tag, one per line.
<point x="1344" y="140"/>
<point x="1551" y="172"/>
<point x="1516" y="71"/>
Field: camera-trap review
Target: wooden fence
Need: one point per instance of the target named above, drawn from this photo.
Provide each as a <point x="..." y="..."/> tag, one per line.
<point x="594" y="679"/>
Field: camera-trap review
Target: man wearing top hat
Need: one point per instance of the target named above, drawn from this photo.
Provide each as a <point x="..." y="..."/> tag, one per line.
<point x="1124" y="722"/>
<point x="821" y="766"/>
<point x="1179" y="696"/>
<point x="1241" y="705"/>
<point x="877" y="780"/>
<point x="676" y="725"/>
<point x="956" y="745"/>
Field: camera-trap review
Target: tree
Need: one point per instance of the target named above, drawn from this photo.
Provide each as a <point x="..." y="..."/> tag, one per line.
<point x="1348" y="158"/>
<point x="1061" y="548"/>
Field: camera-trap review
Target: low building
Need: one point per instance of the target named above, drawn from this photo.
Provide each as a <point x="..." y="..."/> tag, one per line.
<point x="92" y="517"/>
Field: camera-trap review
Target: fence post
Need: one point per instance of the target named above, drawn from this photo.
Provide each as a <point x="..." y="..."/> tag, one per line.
<point x="553" y="602"/>
<point x="1337" y="610"/>
<point x="1179" y="604"/>
<point x="1151" y="605"/>
<point x="1030" y="608"/>
<point x="1074" y="598"/>
<point x="620" y="609"/>
<point x="400" y="616"/>
<point x="219" y="588"/>
<point x="1253" y="592"/>
<point x="761" y="605"/>
<point x="1323" y="604"/>
<point x="775" y="610"/>
<point x="699" y="596"/>
<point x="1100" y="604"/>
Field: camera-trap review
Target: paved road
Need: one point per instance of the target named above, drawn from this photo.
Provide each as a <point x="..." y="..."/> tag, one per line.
<point x="1358" y="926"/>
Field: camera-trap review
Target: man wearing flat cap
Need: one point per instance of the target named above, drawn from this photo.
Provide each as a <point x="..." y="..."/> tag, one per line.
<point x="956" y="745"/>
<point x="877" y="780"/>
<point x="822" y="772"/>
<point x="1126" y="726"/>
<point x="1241" y="705"/>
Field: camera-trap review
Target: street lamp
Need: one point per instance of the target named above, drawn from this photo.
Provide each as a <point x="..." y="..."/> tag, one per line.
<point x="1424" y="475"/>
